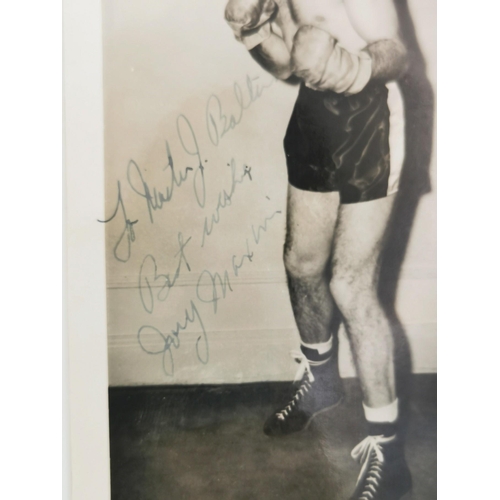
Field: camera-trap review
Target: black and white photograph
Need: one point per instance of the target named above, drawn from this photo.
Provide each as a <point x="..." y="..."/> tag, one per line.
<point x="270" y="248"/>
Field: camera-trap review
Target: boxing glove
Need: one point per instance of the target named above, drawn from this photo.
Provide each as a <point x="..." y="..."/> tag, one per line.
<point x="249" y="20"/>
<point x="323" y="64"/>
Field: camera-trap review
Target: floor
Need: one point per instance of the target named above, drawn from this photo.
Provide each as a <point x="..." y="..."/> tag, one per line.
<point x="206" y="442"/>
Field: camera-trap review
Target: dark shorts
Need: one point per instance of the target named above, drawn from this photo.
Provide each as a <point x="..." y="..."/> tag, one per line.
<point x="340" y="143"/>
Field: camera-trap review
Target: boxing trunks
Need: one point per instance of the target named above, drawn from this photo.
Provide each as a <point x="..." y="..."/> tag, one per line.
<point x="350" y="144"/>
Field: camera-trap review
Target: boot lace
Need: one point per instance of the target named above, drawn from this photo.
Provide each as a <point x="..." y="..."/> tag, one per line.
<point x="303" y="373"/>
<point x="369" y="453"/>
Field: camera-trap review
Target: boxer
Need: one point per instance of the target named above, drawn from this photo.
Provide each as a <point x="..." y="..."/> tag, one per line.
<point x="344" y="149"/>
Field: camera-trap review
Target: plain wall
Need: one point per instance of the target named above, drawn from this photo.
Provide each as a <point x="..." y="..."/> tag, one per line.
<point x="165" y="64"/>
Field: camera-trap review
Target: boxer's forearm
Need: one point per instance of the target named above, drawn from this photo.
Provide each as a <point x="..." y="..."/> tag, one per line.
<point x="389" y="59"/>
<point x="273" y="55"/>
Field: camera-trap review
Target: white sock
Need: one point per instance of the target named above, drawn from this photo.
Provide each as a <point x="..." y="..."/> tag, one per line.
<point x="321" y="347"/>
<point x="387" y="413"/>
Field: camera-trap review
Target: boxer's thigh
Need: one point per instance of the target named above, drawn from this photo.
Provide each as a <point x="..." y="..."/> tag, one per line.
<point x="311" y="219"/>
<point x="359" y="239"/>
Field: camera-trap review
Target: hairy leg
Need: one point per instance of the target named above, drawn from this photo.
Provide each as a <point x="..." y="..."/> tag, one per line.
<point x="311" y="221"/>
<point x="359" y="239"/>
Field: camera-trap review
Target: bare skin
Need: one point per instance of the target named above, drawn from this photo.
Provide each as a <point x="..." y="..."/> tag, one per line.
<point x="308" y="253"/>
<point x="358" y="241"/>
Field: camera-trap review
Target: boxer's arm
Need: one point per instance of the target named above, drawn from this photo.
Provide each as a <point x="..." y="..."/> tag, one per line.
<point x="273" y="55"/>
<point x="376" y="21"/>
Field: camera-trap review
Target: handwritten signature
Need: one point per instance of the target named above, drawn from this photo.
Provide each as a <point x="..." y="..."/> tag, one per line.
<point x="211" y="287"/>
<point x="155" y="197"/>
<point x="191" y="315"/>
<point x="122" y="248"/>
<point x="224" y="199"/>
<point x="218" y="121"/>
<point x="149" y="269"/>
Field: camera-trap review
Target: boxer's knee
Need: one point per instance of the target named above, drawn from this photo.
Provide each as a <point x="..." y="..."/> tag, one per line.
<point x="304" y="264"/>
<point x="354" y="292"/>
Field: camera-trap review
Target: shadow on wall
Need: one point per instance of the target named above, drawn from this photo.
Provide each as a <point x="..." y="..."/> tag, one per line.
<point x="418" y="97"/>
